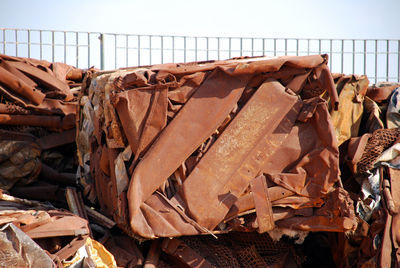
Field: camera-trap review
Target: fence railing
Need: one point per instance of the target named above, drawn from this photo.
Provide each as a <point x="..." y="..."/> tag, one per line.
<point x="377" y="58"/>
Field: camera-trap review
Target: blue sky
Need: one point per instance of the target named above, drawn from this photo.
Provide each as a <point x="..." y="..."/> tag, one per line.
<point x="283" y="18"/>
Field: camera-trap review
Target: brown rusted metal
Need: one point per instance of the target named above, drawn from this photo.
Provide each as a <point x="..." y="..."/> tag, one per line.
<point x="99" y="218"/>
<point x="12" y="109"/>
<point x="75" y="203"/>
<point x="184" y="253"/>
<point x="57" y="139"/>
<point x="51" y="175"/>
<point x="153" y="255"/>
<point x="42" y="192"/>
<point x="20" y="87"/>
<point x="381" y="92"/>
<point x="218" y="148"/>
<point x="64" y="226"/>
<point x="262" y="204"/>
<point x="240" y="118"/>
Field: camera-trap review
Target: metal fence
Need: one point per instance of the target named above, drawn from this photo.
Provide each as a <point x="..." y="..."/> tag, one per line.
<point x="379" y="59"/>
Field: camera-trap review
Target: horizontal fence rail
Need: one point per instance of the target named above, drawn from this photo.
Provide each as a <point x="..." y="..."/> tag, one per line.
<point x="379" y="59"/>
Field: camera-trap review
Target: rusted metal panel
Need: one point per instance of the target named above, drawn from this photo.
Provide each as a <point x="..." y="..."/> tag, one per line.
<point x="262" y="204"/>
<point x="237" y="156"/>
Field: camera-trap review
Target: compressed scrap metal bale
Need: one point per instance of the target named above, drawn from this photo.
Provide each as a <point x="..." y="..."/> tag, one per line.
<point x="211" y="147"/>
<point x="37" y="114"/>
<point x="370" y="164"/>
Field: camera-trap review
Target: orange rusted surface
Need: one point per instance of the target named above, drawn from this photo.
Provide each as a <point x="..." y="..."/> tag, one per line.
<point x="261" y="153"/>
<point x="200" y="133"/>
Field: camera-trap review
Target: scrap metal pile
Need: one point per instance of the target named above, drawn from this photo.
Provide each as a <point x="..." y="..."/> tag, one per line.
<point x="249" y="162"/>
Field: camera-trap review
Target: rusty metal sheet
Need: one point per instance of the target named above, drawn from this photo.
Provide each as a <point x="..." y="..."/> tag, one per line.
<point x="381" y="92"/>
<point x="336" y="215"/>
<point x="19" y="86"/>
<point x="62" y="224"/>
<point x="200" y="116"/>
<point x="193" y="110"/>
<point x="44" y="78"/>
<point x="57" y="139"/>
<point x="347" y="118"/>
<point x="262" y="204"/>
<point x="237" y="156"/>
<point x="37" y="102"/>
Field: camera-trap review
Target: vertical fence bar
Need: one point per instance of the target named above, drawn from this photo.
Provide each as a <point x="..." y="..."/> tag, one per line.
<point x="101" y="37"/>
<point x="341" y="57"/>
<point x="88" y="50"/>
<point x="115" y="51"/>
<point x="162" y="49"/>
<point x="77" y="49"/>
<point x="29" y="43"/>
<point x="218" y="48"/>
<point x="65" y="47"/>
<point x="16" y="43"/>
<point x="184" y="49"/>
<point x="195" y="48"/>
<point x="252" y="46"/>
<point x="285" y="47"/>
<point x="376" y="61"/>
<point x="230" y="47"/>
<point x="241" y="46"/>
<point x="4" y="41"/>
<point x="354" y="56"/>
<point x="387" y="60"/>
<point x="173" y="49"/>
<point x="330" y="54"/>
<point x="297" y="47"/>
<point x="150" y="49"/>
<point x="274" y="46"/>
<point x="52" y="46"/>
<point x="138" y="50"/>
<point x="365" y="57"/>
<point x="40" y="44"/>
<point x="207" y="46"/>
<point x="263" y="46"/>
<point x="319" y="46"/>
<point x="126" y="51"/>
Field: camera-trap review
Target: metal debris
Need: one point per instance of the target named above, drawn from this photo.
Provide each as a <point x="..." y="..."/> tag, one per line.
<point x="248" y="162"/>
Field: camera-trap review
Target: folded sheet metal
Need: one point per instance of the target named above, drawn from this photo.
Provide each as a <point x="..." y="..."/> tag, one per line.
<point x="347" y="118"/>
<point x="38" y="102"/>
<point x="171" y="150"/>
